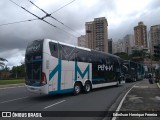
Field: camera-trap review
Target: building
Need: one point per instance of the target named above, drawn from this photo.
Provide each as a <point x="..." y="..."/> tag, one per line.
<point x="128" y="43"/>
<point x="114" y="47"/>
<point x="82" y="41"/>
<point x="4" y="74"/>
<point x="154" y="37"/>
<point x="140" y="33"/>
<point x="118" y="46"/>
<point x="124" y="45"/>
<point x="89" y="26"/>
<point x="97" y="34"/>
<point x="110" y="46"/>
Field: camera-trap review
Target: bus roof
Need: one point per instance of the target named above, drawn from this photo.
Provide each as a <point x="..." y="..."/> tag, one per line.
<point x="62" y="43"/>
<point x="82" y="48"/>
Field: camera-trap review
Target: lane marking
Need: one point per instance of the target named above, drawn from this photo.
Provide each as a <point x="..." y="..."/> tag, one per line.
<point x="10" y="87"/>
<point x="13" y="100"/>
<point x="120" y="104"/>
<point x="54" y="104"/>
<point x="141" y="86"/>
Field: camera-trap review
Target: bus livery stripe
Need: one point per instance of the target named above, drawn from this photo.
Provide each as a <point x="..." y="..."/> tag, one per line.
<point x="54" y="71"/>
<point x="77" y="70"/>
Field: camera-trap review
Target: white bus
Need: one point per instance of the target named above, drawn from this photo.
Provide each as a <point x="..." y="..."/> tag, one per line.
<point x="54" y="67"/>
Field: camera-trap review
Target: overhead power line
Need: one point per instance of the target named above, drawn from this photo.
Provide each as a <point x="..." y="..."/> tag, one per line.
<point x="50" y="15"/>
<point x="40" y="17"/>
<point x="17" y="22"/>
<point x="32" y="19"/>
<point x="63" y="6"/>
<point x="32" y="13"/>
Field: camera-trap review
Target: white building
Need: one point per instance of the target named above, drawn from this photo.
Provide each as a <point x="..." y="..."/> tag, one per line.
<point x="128" y="43"/>
<point x="82" y="41"/>
<point x="124" y="45"/>
<point x="118" y="46"/>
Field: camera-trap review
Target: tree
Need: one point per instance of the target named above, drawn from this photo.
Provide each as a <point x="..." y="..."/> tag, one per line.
<point x="157" y="52"/>
<point x="2" y="64"/>
<point x="139" y="55"/>
<point x="18" y="71"/>
<point x="123" y="55"/>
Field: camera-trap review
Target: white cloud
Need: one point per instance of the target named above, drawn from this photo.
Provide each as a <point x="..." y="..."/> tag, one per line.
<point x="14" y="57"/>
<point x="127" y="7"/>
<point x="122" y="16"/>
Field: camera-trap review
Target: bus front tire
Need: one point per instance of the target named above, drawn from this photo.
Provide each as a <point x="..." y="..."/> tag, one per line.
<point x="87" y="87"/>
<point x="77" y="89"/>
<point x="118" y="83"/>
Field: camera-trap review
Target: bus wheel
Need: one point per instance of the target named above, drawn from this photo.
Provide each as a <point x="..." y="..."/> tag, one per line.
<point x="77" y="89"/>
<point x="87" y="87"/>
<point x="118" y="83"/>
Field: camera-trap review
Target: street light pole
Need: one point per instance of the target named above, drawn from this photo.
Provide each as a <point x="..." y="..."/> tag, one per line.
<point x="150" y="44"/>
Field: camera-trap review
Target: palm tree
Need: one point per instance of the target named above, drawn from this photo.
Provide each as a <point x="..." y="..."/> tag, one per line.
<point x="2" y="64"/>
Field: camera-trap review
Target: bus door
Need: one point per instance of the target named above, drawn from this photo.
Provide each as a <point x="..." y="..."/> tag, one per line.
<point x="67" y="79"/>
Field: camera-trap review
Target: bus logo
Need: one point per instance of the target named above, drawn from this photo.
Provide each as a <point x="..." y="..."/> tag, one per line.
<point x="6" y="114"/>
<point x="105" y="67"/>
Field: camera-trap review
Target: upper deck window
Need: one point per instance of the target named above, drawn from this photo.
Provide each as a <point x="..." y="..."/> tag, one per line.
<point x="53" y="49"/>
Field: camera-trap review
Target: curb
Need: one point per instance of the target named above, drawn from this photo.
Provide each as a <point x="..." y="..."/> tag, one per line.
<point x="158" y="85"/>
<point x="11" y="85"/>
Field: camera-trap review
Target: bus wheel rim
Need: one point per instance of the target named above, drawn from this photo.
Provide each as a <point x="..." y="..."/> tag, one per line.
<point x="77" y="89"/>
<point x="87" y="87"/>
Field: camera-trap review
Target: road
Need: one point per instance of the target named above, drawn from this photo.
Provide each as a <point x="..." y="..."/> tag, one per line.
<point x="18" y="99"/>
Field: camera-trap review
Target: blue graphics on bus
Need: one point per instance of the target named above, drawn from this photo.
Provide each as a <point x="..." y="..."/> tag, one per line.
<point x="77" y="70"/>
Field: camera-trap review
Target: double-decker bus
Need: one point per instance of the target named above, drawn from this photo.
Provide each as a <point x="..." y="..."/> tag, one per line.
<point x="54" y="67"/>
<point x="140" y="71"/>
<point x="133" y="71"/>
<point x="130" y="70"/>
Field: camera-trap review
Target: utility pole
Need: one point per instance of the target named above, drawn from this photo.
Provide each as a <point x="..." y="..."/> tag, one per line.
<point x="16" y="72"/>
<point x="150" y="50"/>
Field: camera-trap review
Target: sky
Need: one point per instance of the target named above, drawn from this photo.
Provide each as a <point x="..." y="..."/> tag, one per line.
<point x="122" y="16"/>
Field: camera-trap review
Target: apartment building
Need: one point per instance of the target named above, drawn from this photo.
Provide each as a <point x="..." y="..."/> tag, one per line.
<point x="82" y="41"/>
<point x="97" y="34"/>
<point x="154" y="37"/>
<point x="140" y="33"/>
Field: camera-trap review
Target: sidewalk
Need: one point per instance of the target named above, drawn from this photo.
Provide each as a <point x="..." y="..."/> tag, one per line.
<point x="143" y="97"/>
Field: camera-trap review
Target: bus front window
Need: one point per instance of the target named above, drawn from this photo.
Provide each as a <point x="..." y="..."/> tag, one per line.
<point x="33" y="63"/>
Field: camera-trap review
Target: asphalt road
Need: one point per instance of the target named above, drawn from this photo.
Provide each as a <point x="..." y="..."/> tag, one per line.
<point x="18" y="99"/>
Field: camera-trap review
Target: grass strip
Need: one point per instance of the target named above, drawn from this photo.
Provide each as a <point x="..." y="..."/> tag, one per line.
<point x="16" y="81"/>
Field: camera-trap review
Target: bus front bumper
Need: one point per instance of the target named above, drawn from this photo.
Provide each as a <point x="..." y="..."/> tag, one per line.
<point x="38" y="90"/>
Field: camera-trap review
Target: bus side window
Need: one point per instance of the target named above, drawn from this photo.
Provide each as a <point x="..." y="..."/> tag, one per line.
<point x="67" y="52"/>
<point x="89" y="56"/>
<point x="107" y="60"/>
<point x="115" y="63"/>
<point x="82" y="56"/>
<point x="53" y="49"/>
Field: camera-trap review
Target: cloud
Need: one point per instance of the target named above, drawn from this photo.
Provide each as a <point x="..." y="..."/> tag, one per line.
<point x="122" y="16"/>
<point x="14" y="57"/>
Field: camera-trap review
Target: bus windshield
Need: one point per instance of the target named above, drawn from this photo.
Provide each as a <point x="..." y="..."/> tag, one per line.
<point x="33" y="63"/>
